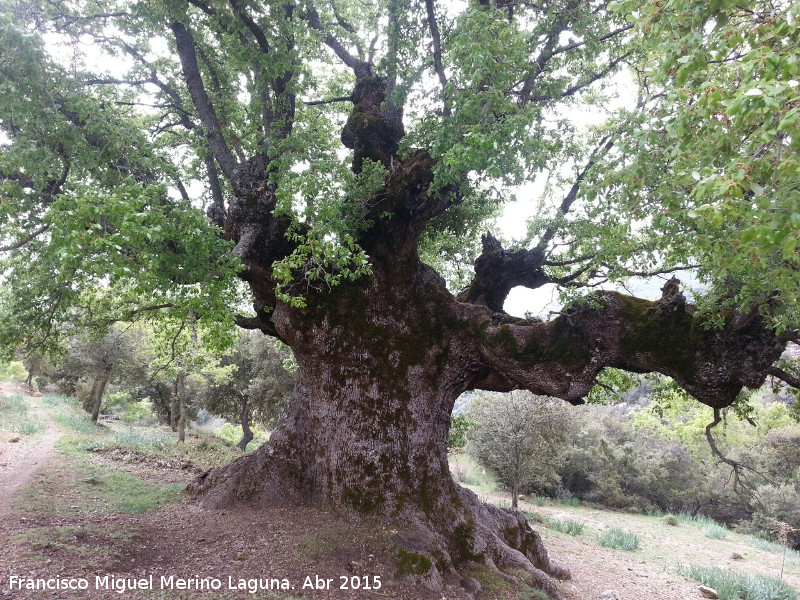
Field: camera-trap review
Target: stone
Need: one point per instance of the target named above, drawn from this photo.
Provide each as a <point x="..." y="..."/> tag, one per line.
<point x="610" y="595"/>
<point x="736" y="556"/>
<point x="471" y="585"/>
<point x="708" y="592"/>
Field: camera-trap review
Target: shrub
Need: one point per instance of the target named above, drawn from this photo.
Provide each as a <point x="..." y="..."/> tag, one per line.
<point x="733" y="586"/>
<point x="619" y="539"/>
<point x="671" y="520"/>
<point x="459" y="427"/>
<point x="13" y="371"/>
<point x="569" y="526"/>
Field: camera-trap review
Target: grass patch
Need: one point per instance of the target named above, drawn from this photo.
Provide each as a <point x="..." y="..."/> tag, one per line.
<point x="568" y="526"/>
<point x="29" y="427"/>
<point x="151" y="438"/>
<point x="93" y="546"/>
<point x="76" y="423"/>
<point x="734" y="586"/>
<point x="15" y="418"/>
<point x="619" y="539"/>
<point x="73" y="486"/>
<point x="773" y="547"/>
<point x="709" y="527"/>
<point x="533" y="516"/>
<point x="465" y="470"/>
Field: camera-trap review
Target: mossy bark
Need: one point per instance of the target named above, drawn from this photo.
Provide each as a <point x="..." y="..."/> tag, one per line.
<point x="366" y="428"/>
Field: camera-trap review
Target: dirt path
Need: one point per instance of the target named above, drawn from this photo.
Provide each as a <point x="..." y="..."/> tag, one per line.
<point x="19" y="459"/>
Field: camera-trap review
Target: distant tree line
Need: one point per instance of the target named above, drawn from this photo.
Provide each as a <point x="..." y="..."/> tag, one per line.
<point x="651" y="454"/>
<point x="247" y="384"/>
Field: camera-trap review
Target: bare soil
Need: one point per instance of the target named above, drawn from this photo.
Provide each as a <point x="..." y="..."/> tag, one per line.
<point x="20" y="455"/>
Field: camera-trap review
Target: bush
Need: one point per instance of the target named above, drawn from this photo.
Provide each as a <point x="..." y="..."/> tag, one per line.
<point x="733" y="586"/>
<point x="13" y="371"/>
<point x="568" y="526"/>
<point x="459" y="428"/>
<point x="619" y="539"/>
<point x="671" y="520"/>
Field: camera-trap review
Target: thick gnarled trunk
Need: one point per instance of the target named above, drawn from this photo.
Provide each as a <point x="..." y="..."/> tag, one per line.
<point x="367" y="426"/>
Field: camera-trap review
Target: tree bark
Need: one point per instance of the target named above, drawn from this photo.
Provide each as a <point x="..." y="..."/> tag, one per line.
<point x="98" y="388"/>
<point x="180" y="389"/>
<point x="89" y="400"/>
<point x="366" y="428"/>
<point x="244" y="417"/>
<point x="174" y="408"/>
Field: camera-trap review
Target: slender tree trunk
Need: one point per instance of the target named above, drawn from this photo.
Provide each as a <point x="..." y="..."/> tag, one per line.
<point x="514" y="494"/>
<point x="98" y="390"/>
<point x="174" y="407"/>
<point x="89" y="400"/>
<point x="244" y="417"/>
<point x="181" y="393"/>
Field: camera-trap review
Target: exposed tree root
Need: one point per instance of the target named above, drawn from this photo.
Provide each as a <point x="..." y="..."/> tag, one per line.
<point x="437" y="550"/>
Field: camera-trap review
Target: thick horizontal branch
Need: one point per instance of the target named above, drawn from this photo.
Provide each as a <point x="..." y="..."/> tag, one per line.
<point x="787" y="378"/>
<point x="329" y="101"/>
<point x="563" y="357"/>
<point x="498" y="271"/>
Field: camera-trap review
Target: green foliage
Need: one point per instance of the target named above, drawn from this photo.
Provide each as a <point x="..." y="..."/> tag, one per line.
<point x="460" y="426"/>
<point x="710" y="165"/>
<point x="518" y="436"/>
<point x="619" y="539"/>
<point x="738" y="586"/>
<point x="569" y="526"/>
<point x="13" y="371"/>
<point x="254" y="371"/>
<point x="233" y="433"/>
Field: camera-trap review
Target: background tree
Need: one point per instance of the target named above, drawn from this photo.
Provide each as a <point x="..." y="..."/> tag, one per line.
<point x="445" y="109"/>
<point x="115" y="356"/>
<point x="257" y="388"/>
<point x="521" y="438"/>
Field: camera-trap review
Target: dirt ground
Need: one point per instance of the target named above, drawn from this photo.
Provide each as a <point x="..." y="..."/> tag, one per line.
<point x="44" y="537"/>
<point x="20" y="457"/>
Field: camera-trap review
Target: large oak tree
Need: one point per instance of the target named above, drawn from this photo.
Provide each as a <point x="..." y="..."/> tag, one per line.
<point x="352" y="151"/>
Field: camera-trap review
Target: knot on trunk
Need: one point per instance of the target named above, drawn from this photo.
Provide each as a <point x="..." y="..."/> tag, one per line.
<point x="369" y="131"/>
